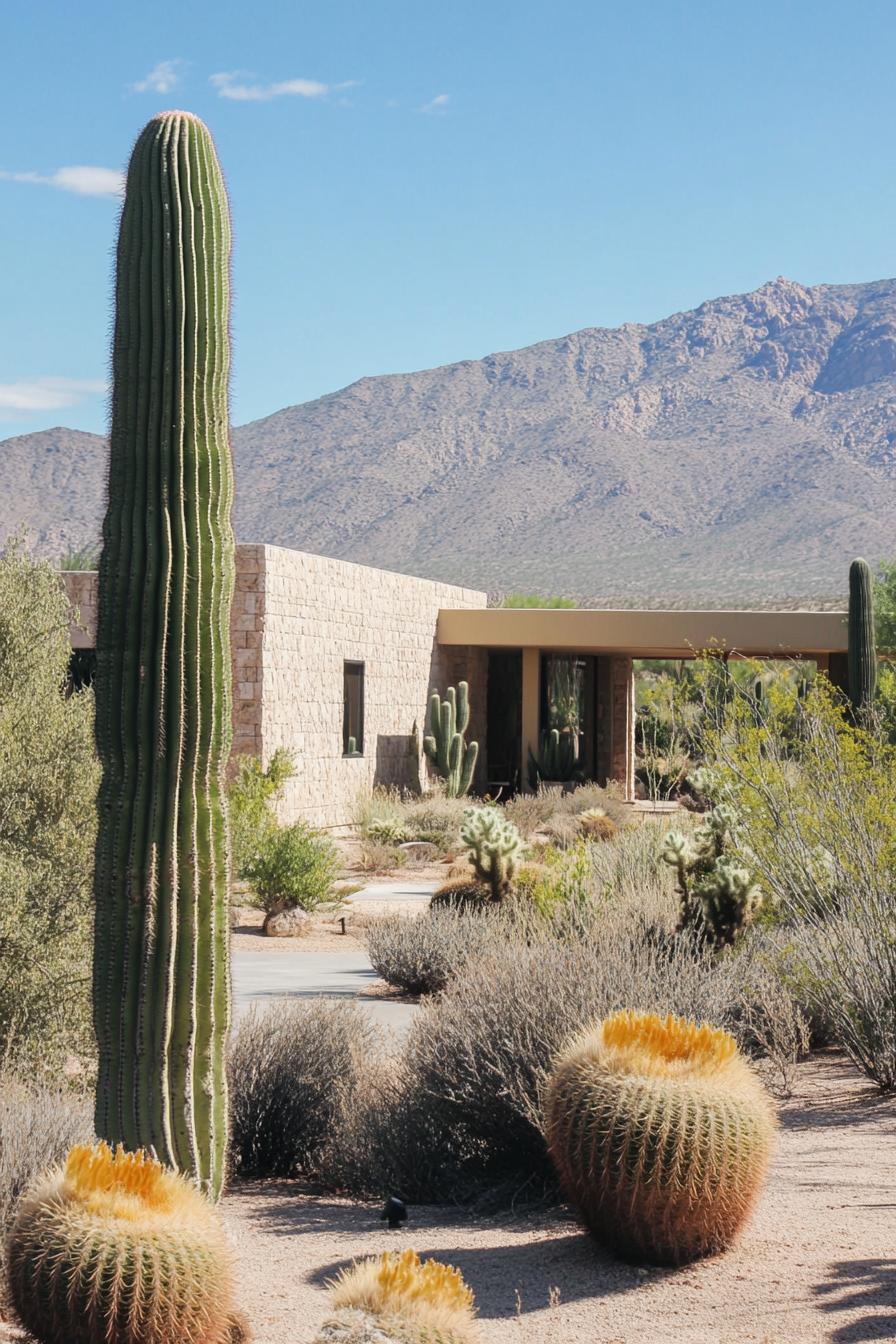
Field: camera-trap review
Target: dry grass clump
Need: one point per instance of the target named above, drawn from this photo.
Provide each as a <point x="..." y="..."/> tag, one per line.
<point x="288" y="1066"/>
<point x="38" y="1126"/>
<point x="390" y="817"/>
<point x="379" y="856"/>
<point x="421" y="954"/>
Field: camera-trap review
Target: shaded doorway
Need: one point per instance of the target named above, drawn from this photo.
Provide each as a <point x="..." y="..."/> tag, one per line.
<point x="504" y="732"/>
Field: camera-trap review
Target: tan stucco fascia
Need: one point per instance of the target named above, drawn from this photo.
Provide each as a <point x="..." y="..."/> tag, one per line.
<point x="648" y="634"/>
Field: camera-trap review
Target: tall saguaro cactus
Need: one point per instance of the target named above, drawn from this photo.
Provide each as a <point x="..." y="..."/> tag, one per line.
<point x="862" y="653"/>
<point x="444" y="744"/>
<point x="161" y="978"/>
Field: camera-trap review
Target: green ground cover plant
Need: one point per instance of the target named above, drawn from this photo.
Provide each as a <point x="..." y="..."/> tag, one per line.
<point x="48" y="783"/>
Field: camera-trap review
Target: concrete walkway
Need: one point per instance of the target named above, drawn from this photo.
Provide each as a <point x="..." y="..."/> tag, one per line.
<point x="265" y="976"/>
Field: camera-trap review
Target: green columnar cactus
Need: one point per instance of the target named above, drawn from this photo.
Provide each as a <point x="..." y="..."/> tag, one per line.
<point x="444" y="744"/>
<point x="557" y="761"/>
<point x="113" y="1247"/>
<point x="394" y="1299"/>
<point x="163" y="686"/>
<point x="661" y="1134"/>
<point x="862" y="654"/>
<point x="496" y="848"/>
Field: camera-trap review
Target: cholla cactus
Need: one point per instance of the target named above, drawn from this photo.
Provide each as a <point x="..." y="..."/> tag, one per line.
<point x="397" y="1300"/>
<point x="114" y="1247"/>
<point x="496" y="847"/>
<point x="718" y="896"/>
<point x="661" y="1134"/>
<point x="444" y="744"/>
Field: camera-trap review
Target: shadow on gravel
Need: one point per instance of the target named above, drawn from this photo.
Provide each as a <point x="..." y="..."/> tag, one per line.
<point x="868" y="1286"/>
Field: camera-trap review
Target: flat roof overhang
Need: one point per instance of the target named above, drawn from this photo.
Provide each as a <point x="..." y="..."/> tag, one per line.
<point x="648" y="634"/>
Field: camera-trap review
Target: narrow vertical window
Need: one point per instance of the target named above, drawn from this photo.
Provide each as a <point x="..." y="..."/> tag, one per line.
<point x="353" y="709"/>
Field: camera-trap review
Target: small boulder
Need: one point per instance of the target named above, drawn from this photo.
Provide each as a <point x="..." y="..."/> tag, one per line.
<point x="291" y="923"/>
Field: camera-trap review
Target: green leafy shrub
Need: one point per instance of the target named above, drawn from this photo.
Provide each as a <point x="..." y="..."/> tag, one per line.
<point x="48" y="782"/>
<point x="293" y="866"/>
<point x="289" y="1066"/>
<point x="252" y="793"/>
<point x="816" y="815"/>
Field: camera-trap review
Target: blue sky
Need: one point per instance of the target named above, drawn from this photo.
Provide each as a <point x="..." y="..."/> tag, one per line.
<point x="415" y="183"/>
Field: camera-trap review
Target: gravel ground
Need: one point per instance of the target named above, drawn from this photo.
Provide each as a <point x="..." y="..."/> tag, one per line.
<point x="817" y="1262"/>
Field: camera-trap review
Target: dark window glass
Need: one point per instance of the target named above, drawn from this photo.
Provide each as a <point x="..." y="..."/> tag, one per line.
<point x="353" y="709"/>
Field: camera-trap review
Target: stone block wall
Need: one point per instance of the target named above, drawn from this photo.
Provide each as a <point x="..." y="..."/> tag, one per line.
<point x="296" y="618"/>
<point x="319" y="613"/>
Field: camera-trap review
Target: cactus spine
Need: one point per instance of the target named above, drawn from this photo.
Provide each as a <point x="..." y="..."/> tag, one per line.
<point x="114" y="1247"/>
<point x="862" y="654"/>
<point x="496" y="848"/>
<point x="163" y="688"/>
<point x="394" y="1299"/>
<point x="444" y="744"/>
<point x="660" y="1133"/>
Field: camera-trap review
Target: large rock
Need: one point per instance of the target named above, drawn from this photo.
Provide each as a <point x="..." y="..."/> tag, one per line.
<point x="290" y="923"/>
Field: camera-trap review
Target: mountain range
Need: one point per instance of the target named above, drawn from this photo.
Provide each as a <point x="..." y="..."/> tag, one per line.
<point x="741" y="453"/>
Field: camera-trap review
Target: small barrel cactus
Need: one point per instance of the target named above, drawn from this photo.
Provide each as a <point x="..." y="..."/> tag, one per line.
<point x="114" y="1247"/>
<point x="444" y="744"/>
<point x="496" y="848"/>
<point x="661" y="1134"/>
<point x="594" y="824"/>
<point x="397" y="1300"/>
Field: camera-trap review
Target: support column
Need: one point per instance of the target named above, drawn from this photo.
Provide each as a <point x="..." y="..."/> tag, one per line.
<point x="531" y="697"/>
<point x="622" y="725"/>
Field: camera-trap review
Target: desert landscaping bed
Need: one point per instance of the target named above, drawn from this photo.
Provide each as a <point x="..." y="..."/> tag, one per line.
<point x="816" y="1262"/>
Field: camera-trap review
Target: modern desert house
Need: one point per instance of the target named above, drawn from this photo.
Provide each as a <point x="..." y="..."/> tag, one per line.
<point x="334" y="661"/>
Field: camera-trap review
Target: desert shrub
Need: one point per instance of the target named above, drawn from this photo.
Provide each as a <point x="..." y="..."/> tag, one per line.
<point x="438" y="819"/>
<point x="48" y="781"/>
<point x="459" y="1113"/>
<point x="378" y="856"/>
<point x="288" y="1067"/>
<point x="631" y="875"/>
<point x="816" y="809"/>
<point x="252" y="793"/>
<point x="379" y="814"/>
<point x="529" y="812"/>
<point x="422" y="954"/>
<point x="293" y="866"/>
<point x="589" y="796"/>
<point x="38" y="1125"/>
<point x="561" y="880"/>
<point x="773" y="1022"/>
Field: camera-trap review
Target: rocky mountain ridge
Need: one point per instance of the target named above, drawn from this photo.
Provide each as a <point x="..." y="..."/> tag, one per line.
<point x="742" y="452"/>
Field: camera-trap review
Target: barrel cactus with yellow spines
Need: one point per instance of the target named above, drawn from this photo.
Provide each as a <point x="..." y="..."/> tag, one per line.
<point x="396" y="1299"/>
<point x="114" y="1247"/>
<point x="661" y="1134"/>
<point x="163" y="684"/>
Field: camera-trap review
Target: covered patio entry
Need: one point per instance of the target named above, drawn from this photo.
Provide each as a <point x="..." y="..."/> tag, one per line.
<point x="573" y="669"/>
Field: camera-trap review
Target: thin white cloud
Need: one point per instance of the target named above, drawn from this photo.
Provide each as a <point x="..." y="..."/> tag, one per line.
<point x="439" y="104"/>
<point x="82" y="179"/>
<point x="162" y="78"/>
<point x="230" y="85"/>
<point x="48" y="394"/>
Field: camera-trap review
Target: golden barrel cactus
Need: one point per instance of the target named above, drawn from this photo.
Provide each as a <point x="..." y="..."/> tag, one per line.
<point x="396" y="1299"/>
<point x="115" y="1249"/>
<point x="661" y="1134"/>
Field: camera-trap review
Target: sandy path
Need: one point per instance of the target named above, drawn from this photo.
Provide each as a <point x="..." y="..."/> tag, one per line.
<point x="818" y="1261"/>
